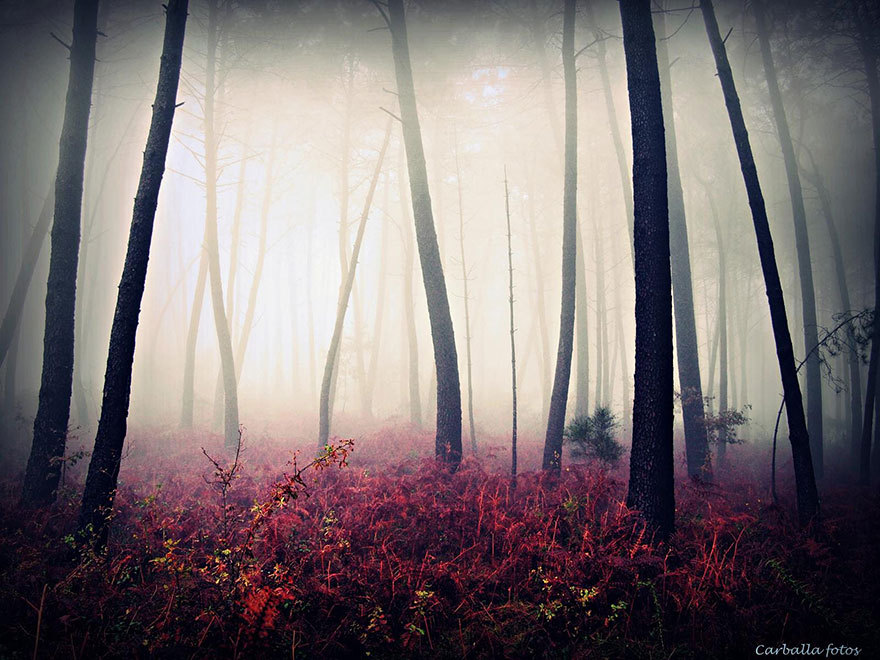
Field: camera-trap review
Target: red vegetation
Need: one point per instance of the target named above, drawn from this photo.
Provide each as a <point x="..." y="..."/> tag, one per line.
<point x="405" y="559"/>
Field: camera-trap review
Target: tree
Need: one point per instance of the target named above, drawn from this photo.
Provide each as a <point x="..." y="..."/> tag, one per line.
<point x="512" y="330"/>
<point x="559" y="397"/>
<point x="448" y="437"/>
<point x="651" y="466"/>
<point x="344" y="296"/>
<point x="802" y="242"/>
<point x="696" y="445"/>
<point x="104" y="466"/>
<point x="212" y="247"/>
<point x="807" y="494"/>
<point x="53" y="412"/>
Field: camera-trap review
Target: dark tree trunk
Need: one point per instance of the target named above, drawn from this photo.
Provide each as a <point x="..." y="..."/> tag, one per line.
<point x="802" y="243"/>
<point x="722" y="327"/>
<point x="699" y="464"/>
<point x="448" y="438"/>
<point x="104" y="466"/>
<point x="651" y="465"/>
<point x="807" y="494"/>
<point x="344" y="296"/>
<point x="53" y="412"/>
<point x="582" y="308"/>
<point x="559" y="397"/>
<point x="15" y="308"/>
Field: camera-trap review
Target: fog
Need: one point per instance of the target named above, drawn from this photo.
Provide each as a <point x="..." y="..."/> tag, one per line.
<point x="304" y="92"/>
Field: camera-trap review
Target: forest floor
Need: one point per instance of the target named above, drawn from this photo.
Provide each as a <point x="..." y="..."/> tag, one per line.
<point x="387" y="555"/>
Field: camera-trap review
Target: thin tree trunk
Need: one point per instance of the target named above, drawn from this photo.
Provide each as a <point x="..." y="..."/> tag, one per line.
<point x="101" y="482"/>
<point x="29" y="260"/>
<point x="802" y="243"/>
<point x="467" y="311"/>
<point x="699" y="463"/>
<point x="189" y="360"/>
<point x="512" y="331"/>
<point x="53" y="412"/>
<point x="807" y="494"/>
<point x="601" y="319"/>
<point x="448" y="438"/>
<point x="613" y="125"/>
<point x="651" y="464"/>
<point x="559" y="398"/>
<point x="236" y="232"/>
<point x="344" y="296"/>
<point x="221" y="325"/>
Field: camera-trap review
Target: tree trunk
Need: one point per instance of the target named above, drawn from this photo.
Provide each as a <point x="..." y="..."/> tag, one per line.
<point x="601" y="319"/>
<point x="651" y="464"/>
<point x="29" y="260"/>
<point x="699" y="464"/>
<point x="512" y="331"/>
<point x="467" y="311"/>
<point x="189" y="360"/>
<point x="344" y="296"/>
<point x="807" y="494"/>
<point x="852" y="355"/>
<point x="100" y="486"/>
<point x="559" y="398"/>
<point x="448" y="438"/>
<point x="582" y="308"/>
<point x="53" y="412"/>
<point x="613" y="125"/>
<point x="221" y="325"/>
<point x="802" y="243"/>
<point x="373" y="369"/>
<point x="546" y="359"/>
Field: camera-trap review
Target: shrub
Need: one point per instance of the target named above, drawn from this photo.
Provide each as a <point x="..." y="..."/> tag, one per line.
<point x="592" y="436"/>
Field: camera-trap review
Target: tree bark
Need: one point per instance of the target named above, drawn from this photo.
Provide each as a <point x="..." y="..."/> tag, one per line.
<point x="699" y="465"/>
<point x="559" y="398"/>
<point x="651" y="464"/>
<point x="807" y="494"/>
<point x="53" y="412"/>
<point x="448" y="438"/>
<point x="344" y="296"/>
<point x="103" y="472"/>
<point x="802" y="243"/>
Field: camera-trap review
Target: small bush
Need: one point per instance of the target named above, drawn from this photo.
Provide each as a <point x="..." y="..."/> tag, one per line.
<point x="592" y="437"/>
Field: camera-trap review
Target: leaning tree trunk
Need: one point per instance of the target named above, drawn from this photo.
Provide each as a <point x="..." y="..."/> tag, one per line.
<point x="807" y="494"/>
<point x="869" y="57"/>
<point x="559" y="398"/>
<point x="344" y="296"/>
<point x="53" y="412"/>
<point x="100" y="486"/>
<point x="852" y="355"/>
<point x="448" y="438"/>
<point x="651" y="477"/>
<point x="699" y="464"/>
<point x="802" y="243"/>
<point x="224" y="339"/>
